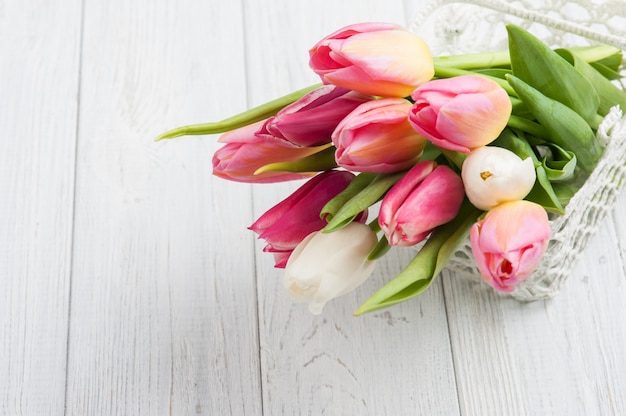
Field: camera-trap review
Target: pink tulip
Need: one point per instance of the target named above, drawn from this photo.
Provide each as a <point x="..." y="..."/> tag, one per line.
<point x="509" y="242"/>
<point x="373" y="58"/>
<point x="286" y="224"/>
<point x="247" y="150"/>
<point x="311" y="120"/>
<point x="426" y="197"/>
<point x="377" y="137"/>
<point x="460" y="113"/>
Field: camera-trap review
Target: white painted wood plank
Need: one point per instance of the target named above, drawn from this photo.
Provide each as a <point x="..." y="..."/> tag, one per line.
<point x="163" y="312"/>
<point x="392" y="362"/>
<point x="39" y="72"/>
<point x="561" y="356"/>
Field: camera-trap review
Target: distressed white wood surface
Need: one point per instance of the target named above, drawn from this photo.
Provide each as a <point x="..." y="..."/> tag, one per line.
<point x="135" y="289"/>
<point x="39" y="72"/>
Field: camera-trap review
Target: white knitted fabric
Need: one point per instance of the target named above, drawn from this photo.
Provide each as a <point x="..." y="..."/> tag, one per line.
<point x="452" y="27"/>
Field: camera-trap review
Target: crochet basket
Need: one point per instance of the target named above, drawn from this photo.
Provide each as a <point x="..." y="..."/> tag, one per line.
<point x="452" y="27"/>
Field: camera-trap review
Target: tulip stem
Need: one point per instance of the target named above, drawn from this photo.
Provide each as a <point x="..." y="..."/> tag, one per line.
<point x="253" y="115"/>
<point x="527" y="126"/>
<point x="475" y="60"/>
<point x="456" y="158"/>
<point x="502" y="59"/>
<point x="450" y="72"/>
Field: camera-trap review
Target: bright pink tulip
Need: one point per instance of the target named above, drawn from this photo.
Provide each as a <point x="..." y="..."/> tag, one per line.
<point x="509" y="242"/>
<point x="311" y="120"/>
<point x="286" y="224"/>
<point x="247" y="150"/>
<point x="377" y="137"/>
<point x="460" y="113"/>
<point x="426" y="197"/>
<point x="374" y="58"/>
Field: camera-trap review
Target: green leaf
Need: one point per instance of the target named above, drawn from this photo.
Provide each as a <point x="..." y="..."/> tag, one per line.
<point x="537" y="65"/>
<point x="380" y="249"/>
<point x="564" y="126"/>
<point x="357" y="184"/>
<point x="542" y="192"/>
<point x="367" y="197"/>
<point x="609" y="94"/>
<point x="558" y="163"/>
<point x="253" y="115"/>
<point x="427" y="263"/>
<point x="317" y="162"/>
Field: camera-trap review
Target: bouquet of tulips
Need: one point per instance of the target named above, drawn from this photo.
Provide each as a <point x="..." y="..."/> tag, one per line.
<point x="486" y="145"/>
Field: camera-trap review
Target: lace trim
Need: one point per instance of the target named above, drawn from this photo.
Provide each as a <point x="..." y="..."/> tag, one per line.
<point x="460" y="27"/>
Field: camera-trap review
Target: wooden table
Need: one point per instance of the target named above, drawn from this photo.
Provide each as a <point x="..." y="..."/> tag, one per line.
<point x="129" y="284"/>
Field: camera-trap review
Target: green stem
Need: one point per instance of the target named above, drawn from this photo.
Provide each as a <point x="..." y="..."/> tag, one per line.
<point x="475" y="60"/>
<point x="253" y="115"/>
<point x="527" y="126"/>
<point x="456" y="158"/>
<point x="450" y="72"/>
<point x="502" y="59"/>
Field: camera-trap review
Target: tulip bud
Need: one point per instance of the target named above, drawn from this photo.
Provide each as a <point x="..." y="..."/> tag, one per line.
<point x="286" y="224"/>
<point x="327" y="265"/>
<point x="426" y="197"/>
<point x="377" y="137"/>
<point x="492" y="175"/>
<point x="509" y="242"/>
<point x="373" y="58"/>
<point x="460" y="113"/>
<point x="311" y="120"/>
<point x="246" y="151"/>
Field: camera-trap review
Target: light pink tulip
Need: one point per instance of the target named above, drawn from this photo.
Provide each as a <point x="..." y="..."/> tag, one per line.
<point x="460" y="113"/>
<point x="509" y="242"/>
<point x="426" y="197"/>
<point x="247" y="150"/>
<point x="374" y="58"/>
<point x="286" y="224"/>
<point x="311" y="120"/>
<point x="377" y="137"/>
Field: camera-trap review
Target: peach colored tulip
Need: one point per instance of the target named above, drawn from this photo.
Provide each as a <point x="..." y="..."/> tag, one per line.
<point x="311" y="120"/>
<point x="460" y="113"/>
<point x="286" y="224"/>
<point x="509" y="242"/>
<point x="426" y="197"/>
<point x="373" y="58"/>
<point x="247" y="150"/>
<point x="377" y="137"/>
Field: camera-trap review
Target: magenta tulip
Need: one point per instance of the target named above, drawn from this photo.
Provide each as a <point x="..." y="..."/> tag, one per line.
<point x="426" y="197"/>
<point x="286" y="224"/>
<point x="377" y="137"/>
<point x="311" y="120"/>
<point x="374" y="58"/>
<point x="247" y="150"/>
<point x="509" y="242"/>
<point x="460" y="113"/>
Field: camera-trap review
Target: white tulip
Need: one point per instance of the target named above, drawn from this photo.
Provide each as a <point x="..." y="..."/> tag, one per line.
<point x="493" y="175"/>
<point x="326" y="265"/>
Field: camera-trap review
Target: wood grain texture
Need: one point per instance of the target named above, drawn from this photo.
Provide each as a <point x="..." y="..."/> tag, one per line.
<point x="390" y="363"/>
<point x="39" y="61"/>
<point x="163" y="312"/>
<point x="560" y="356"/>
<point x="137" y="290"/>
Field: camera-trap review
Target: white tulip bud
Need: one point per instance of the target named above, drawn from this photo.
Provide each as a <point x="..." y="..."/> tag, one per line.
<point x="326" y="265"/>
<point x="493" y="175"/>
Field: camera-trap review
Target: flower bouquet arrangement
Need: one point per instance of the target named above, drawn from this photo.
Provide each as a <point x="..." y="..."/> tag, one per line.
<point x="486" y="145"/>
